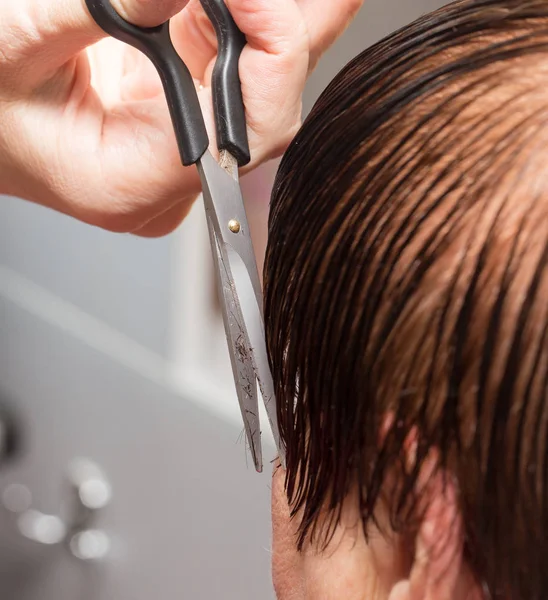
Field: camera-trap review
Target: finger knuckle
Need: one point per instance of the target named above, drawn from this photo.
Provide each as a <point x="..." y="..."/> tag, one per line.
<point x="17" y="39"/>
<point x="354" y="7"/>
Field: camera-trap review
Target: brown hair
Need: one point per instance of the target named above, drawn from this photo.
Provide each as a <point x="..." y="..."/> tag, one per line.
<point x="406" y="274"/>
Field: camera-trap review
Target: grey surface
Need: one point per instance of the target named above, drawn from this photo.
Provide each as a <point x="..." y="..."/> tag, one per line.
<point x="189" y="519"/>
<point x="121" y="279"/>
<point x="376" y="19"/>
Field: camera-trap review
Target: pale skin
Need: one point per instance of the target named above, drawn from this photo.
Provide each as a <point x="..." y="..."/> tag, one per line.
<point x="88" y="133"/>
<point x="427" y="565"/>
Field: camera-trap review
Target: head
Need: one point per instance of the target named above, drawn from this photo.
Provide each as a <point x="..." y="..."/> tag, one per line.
<point x="406" y="309"/>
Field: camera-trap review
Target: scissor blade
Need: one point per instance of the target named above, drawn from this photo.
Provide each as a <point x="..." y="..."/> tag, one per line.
<point x="238" y="346"/>
<point x="224" y="205"/>
<point x="254" y="326"/>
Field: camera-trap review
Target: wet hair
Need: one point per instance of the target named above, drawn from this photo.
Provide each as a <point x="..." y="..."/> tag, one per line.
<point x="406" y="275"/>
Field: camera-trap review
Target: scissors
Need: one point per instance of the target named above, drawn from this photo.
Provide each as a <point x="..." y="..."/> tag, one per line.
<point x="234" y="258"/>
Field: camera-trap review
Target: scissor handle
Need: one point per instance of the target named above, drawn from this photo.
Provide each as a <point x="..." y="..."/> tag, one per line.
<point x="227" y="90"/>
<point x="182" y="98"/>
<point x="179" y="88"/>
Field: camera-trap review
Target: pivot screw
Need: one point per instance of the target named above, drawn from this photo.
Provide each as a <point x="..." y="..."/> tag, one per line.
<point x="234" y="226"/>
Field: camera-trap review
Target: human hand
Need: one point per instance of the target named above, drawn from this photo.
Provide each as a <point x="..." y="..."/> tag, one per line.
<point x="88" y="133"/>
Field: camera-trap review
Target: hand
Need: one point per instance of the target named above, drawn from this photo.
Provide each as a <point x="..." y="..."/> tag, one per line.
<point x="88" y="133"/>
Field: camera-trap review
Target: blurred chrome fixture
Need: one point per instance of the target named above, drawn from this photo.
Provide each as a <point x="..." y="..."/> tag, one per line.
<point x="91" y="544"/>
<point x="16" y="498"/>
<point x="89" y="493"/>
<point x="9" y="438"/>
<point x="41" y="528"/>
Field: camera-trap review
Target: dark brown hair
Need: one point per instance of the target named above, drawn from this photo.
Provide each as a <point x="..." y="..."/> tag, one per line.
<point x="406" y="274"/>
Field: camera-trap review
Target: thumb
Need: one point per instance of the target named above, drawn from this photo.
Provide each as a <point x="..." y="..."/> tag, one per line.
<point x="39" y="36"/>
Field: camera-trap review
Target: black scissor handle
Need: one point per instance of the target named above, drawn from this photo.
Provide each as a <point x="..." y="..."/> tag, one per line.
<point x="179" y="88"/>
<point x="227" y="91"/>
<point x="182" y="98"/>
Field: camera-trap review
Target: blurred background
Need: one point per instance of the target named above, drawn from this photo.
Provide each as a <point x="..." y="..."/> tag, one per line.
<point x="123" y="467"/>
